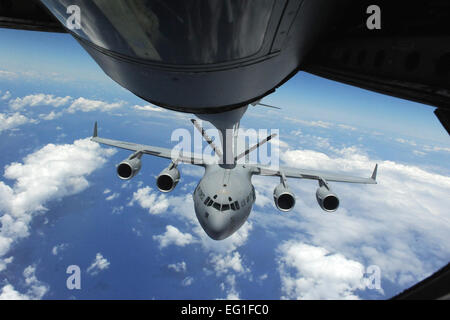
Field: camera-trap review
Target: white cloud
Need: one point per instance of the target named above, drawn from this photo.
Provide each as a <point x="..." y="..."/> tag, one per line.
<point x="436" y="148"/>
<point x="404" y="141"/>
<point x="187" y="281"/>
<point x="51" y="173"/>
<point x="8" y="74"/>
<point x="148" y="108"/>
<point x="229" y="265"/>
<point x="36" y="290"/>
<point x="6" y="95"/>
<point x="112" y="196"/>
<point x="150" y="200"/>
<point x="401" y="224"/>
<point x="59" y="248"/>
<point x="174" y="236"/>
<point x="178" y="267"/>
<point x="117" y="210"/>
<point x="86" y="105"/>
<point x="136" y="231"/>
<point x="9" y="293"/>
<point x="229" y="286"/>
<point x="346" y="127"/>
<point x="50" y="116"/>
<point x="319" y="123"/>
<point x="5" y="262"/>
<point x="419" y="153"/>
<point x="223" y="263"/>
<point x="182" y="207"/>
<point x="99" y="264"/>
<point x="11" y="121"/>
<point x="232" y="295"/>
<point x="39" y="100"/>
<point x="309" y="272"/>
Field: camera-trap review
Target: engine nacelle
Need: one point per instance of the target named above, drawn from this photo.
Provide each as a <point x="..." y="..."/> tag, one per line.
<point x="327" y="200"/>
<point x="283" y="197"/>
<point x="168" y="179"/>
<point x="128" y="168"/>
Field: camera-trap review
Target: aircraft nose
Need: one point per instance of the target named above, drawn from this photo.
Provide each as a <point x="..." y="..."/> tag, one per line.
<point x="217" y="226"/>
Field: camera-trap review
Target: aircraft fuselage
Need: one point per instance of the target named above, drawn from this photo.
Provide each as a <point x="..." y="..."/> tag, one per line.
<point x="223" y="200"/>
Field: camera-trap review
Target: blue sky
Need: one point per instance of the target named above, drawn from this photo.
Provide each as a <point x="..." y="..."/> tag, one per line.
<point x="84" y="214"/>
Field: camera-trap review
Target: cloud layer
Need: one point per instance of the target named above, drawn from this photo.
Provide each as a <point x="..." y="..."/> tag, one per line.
<point x="52" y="172"/>
<point x="401" y="224"/>
<point x="36" y="290"/>
<point x="309" y="272"/>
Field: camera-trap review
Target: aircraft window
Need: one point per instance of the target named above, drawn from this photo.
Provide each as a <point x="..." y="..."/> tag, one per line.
<point x="225" y="207"/>
<point x="237" y="205"/>
<point x="207" y="199"/>
<point x="215" y="197"/>
<point x="216" y="205"/>
<point x="200" y="192"/>
<point x="233" y="207"/>
<point x="210" y="203"/>
<point x="229" y="199"/>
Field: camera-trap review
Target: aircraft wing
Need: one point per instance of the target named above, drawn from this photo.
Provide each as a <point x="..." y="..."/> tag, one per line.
<point x="189" y="158"/>
<point x="28" y="15"/>
<point x="312" y="174"/>
<point x="408" y="57"/>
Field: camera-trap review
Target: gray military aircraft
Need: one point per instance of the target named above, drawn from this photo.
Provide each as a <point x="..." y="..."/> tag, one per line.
<point x="225" y="195"/>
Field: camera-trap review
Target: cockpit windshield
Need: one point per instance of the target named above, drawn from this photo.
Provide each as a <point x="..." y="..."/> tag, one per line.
<point x="217" y="205"/>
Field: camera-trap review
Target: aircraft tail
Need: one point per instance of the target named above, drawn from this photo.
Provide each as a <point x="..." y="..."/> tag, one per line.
<point x="374" y="173"/>
<point x="95" y="130"/>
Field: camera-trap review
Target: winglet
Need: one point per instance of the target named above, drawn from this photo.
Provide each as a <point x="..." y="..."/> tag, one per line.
<point x="95" y="130"/>
<point x="374" y="173"/>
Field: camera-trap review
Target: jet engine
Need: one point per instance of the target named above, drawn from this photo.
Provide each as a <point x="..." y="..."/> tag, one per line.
<point x="168" y="179"/>
<point x="128" y="168"/>
<point x="283" y="197"/>
<point x="327" y="200"/>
